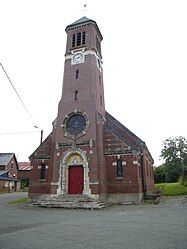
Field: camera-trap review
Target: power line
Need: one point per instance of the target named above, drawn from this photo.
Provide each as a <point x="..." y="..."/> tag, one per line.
<point x="18" y="95"/>
<point x="18" y="133"/>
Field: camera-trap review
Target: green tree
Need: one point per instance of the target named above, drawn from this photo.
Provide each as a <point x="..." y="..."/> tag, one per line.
<point x="159" y="174"/>
<point x="174" y="154"/>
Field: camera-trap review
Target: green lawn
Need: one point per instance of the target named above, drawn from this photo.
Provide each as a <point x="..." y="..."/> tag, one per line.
<point x="172" y="189"/>
<point x="19" y="201"/>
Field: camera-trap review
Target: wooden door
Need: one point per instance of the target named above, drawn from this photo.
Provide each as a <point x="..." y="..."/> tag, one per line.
<point x="75" y="180"/>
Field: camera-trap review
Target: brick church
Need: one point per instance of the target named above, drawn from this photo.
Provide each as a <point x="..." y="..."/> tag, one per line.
<point x="89" y="152"/>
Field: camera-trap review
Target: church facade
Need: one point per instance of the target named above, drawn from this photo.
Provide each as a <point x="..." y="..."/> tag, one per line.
<point x="89" y="152"/>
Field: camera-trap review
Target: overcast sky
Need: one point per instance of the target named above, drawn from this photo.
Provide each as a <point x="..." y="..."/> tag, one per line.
<point x="145" y="67"/>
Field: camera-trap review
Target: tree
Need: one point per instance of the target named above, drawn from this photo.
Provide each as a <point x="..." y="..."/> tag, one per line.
<point x="174" y="153"/>
<point x="159" y="174"/>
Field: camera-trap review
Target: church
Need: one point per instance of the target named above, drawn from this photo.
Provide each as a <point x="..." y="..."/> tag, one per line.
<point x="89" y="152"/>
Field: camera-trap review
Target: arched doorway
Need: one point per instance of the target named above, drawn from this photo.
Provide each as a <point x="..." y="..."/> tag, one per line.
<point x="73" y="175"/>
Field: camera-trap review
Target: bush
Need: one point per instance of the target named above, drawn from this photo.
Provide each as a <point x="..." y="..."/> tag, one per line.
<point x="25" y="183"/>
<point x="159" y="174"/>
<point x="184" y="176"/>
<point x="173" y="172"/>
<point x="185" y="183"/>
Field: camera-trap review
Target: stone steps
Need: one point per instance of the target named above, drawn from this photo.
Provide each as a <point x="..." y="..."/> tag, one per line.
<point x="70" y="201"/>
<point x="79" y="198"/>
<point x="69" y="204"/>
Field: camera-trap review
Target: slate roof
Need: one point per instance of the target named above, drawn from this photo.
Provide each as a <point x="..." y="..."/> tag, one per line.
<point x="5" y="158"/>
<point x="4" y="176"/>
<point x="24" y="166"/>
<point x="3" y="172"/>
<point x="123" y="133"/>
<point x="9" y="179"/>
<point x="84" y="20"/>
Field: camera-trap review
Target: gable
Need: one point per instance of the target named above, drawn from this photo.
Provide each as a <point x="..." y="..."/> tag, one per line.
<point x="43" y="151"/>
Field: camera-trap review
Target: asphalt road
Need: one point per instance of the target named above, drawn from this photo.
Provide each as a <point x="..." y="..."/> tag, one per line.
<point x="140" y="226"/>
<point x="5" y="198"/>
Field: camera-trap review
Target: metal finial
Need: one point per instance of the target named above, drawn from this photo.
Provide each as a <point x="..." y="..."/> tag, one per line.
<point x="85" y="8"/>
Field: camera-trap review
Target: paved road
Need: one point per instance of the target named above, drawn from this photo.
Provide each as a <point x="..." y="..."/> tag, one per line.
<point x="162" y="226"/>
<point x="5" y="198"/>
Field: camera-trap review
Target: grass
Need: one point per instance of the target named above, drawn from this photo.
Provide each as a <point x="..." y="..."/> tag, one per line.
<point x="172" y="189"/>
<point x="20" y="201"/>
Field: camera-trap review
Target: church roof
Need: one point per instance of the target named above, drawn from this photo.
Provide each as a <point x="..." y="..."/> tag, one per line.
<point x="125" y="134"/>
<point x="81" y="21"/>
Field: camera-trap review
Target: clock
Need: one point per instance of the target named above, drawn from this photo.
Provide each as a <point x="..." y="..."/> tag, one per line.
<point x="78" y="57"/>
<point x="75" y="125"/>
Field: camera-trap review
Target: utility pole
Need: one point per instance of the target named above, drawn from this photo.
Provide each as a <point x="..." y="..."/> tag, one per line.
<point x="41" y="137"/>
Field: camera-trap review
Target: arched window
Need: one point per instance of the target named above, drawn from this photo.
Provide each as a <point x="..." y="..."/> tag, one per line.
<point x="76" y="95"/>
<point x="42" y="173"/>
<point x="119" y="168"/>
<point x="73" y="41"/>
<point x="78" y="39"/>
<point x="77" y="74"/>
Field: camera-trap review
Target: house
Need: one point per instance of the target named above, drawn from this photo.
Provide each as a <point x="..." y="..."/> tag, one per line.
<point x="24" y="173"/>
<point x="9" y="173"/>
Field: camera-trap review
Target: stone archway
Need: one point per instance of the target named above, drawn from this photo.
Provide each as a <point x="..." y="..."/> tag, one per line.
<point x="73" y="158"/>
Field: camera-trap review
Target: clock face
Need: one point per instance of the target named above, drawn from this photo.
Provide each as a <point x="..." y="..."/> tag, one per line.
<point x="77" y="57"/>
<point x="75" y="125"/>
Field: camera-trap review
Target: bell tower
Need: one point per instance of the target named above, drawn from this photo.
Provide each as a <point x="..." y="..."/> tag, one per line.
<point x="81" y="112"/>
<point x="83" y="61"/>
<point x="82" y="90"/>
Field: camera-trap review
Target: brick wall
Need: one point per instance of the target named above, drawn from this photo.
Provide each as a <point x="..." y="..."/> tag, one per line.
<point x="41" y="155"/>
<point x="12" y="168"/>
<point x="23" y="174"/>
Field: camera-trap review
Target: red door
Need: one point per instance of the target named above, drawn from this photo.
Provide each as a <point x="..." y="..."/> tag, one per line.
<point x="75" y="180"/>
